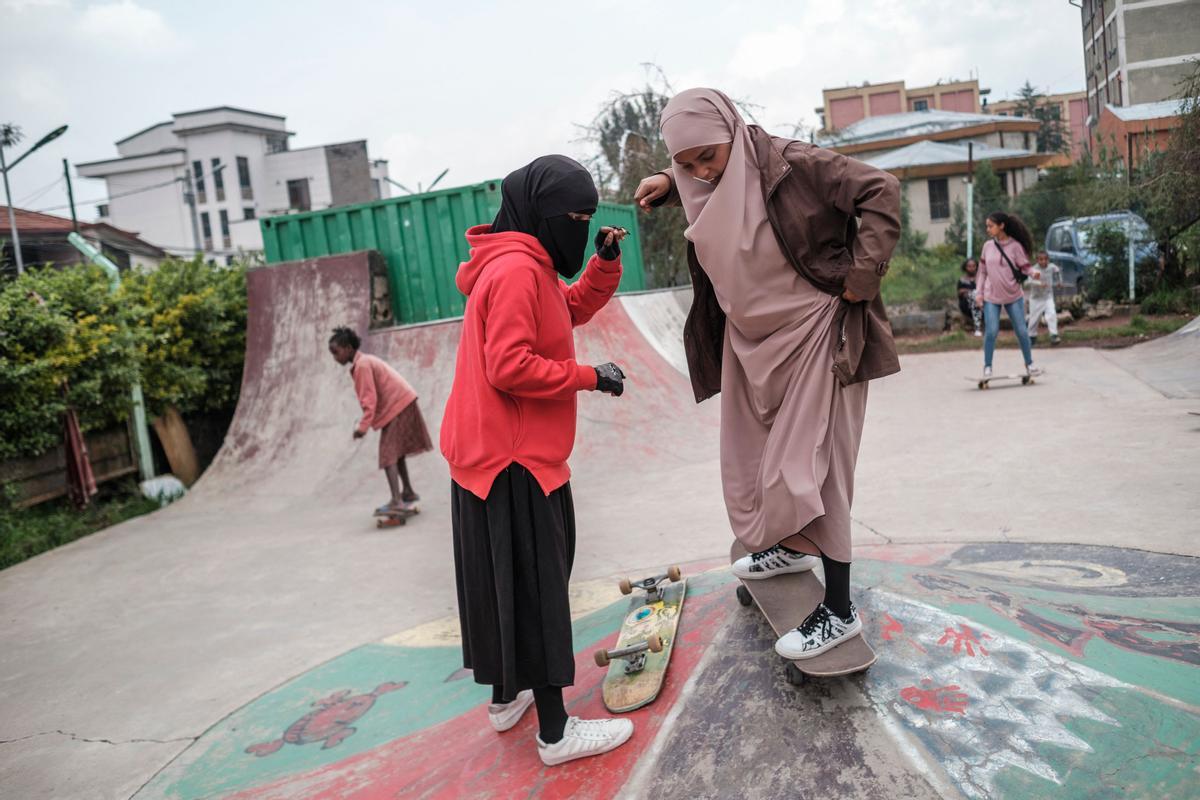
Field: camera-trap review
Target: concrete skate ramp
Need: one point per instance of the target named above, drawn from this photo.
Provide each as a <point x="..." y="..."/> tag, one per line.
<point x="1171" y="364"/>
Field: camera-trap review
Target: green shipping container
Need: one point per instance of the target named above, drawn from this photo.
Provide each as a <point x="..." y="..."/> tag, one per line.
<point x="421" y="238"/>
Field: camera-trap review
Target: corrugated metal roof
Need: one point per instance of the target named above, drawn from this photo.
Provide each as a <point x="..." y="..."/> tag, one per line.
<point x="1143" y="111"/>
<point x="919" y="154"/>
<point x="912" y="123"/>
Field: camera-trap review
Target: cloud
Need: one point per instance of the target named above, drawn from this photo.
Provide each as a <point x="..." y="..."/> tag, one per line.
<point x="21" y="6"/>
<point x="127" y="28"/>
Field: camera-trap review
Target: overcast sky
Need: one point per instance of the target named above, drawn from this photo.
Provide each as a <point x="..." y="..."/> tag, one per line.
<point x="480" y="88"/>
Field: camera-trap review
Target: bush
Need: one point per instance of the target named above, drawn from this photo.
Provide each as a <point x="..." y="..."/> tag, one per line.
<point x="1109" y="278"/>
<point x="1171" y="301"/>
<point x="927" y="277"/>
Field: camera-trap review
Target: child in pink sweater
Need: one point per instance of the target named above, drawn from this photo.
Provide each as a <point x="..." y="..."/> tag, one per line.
<point x="389" y="405"/>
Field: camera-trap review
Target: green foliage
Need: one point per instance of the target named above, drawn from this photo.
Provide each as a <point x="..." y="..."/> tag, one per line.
<point x="26" y="532"/>
<point x="989" y="197"/>
<point x="191" y="323"/>
<point x="1052" y="136"/>
<point x="927" y="278"/>
<point x="1109" y="279"/>
<point x="911" y="241"/>
<point x="1171" y="301"/>
<point x="1047" y="200"/>
<point x="180" y="330"/>
<point x="956" y="232"/>
<point x="60" y="328"/>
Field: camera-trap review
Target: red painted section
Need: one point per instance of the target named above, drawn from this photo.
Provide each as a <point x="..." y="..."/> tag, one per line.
<point x="845" y="111"/>
<point x="464" y="757"/>
<point x="963" y="100"/>
<point x="886" y="103"/>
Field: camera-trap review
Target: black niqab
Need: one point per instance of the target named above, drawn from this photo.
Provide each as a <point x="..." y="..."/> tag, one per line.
<point x="536" y="200"/>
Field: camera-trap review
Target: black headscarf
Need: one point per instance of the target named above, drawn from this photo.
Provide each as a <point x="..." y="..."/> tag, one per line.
<point x="536" y="200"/>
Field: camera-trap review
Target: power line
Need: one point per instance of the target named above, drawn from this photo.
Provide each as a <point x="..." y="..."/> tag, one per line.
<point x="37" y="193"/>
<point x="112" y="197"/>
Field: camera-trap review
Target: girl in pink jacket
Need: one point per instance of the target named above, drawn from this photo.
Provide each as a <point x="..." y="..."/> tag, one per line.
<point x="389" y="406"/>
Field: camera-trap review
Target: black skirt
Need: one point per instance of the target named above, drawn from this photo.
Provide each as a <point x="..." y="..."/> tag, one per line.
<point x="512" y="561"/>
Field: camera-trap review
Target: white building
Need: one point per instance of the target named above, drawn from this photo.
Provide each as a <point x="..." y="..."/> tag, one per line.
<point x="237" y="166"/>
<point x="928" y="151"/>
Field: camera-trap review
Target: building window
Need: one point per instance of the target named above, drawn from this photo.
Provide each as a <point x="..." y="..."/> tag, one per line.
<point x="298" y="198"/>
<point x="225" y="240"/>
<point x="198" y="176"/>
<point x="1026" y="137"/>
<point x="218" y="179"/>
<point x="939" y="198"/>
<point x="243" y="165"/>
<point x="206" y="230"/>
<point x="920" y="105"/>
<point x="1003" y="176"/>
<point x="102" y="210"/>
<point x="248" y="213"/>
<point x="277" y="144"/>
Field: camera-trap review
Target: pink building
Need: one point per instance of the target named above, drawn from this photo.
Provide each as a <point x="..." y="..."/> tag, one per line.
<point x="845" y="106"/>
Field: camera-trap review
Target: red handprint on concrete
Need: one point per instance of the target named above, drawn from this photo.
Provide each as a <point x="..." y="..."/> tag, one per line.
<point x="966" y="639"/>
<point x="943" y="699"/>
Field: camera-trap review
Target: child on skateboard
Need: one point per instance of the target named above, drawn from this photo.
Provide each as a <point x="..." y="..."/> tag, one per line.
<point x="507" y="433"/>
<point x="787" y="325"/>
<point x="1041" y="285"/>
<point x="389" y="406"/>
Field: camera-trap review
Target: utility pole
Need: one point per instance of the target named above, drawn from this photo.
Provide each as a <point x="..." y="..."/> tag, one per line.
<point x="189" y="197"/>
<point x="970" y="199"/>
<point x="70" y="195"/>
<point x="12" y="217"/>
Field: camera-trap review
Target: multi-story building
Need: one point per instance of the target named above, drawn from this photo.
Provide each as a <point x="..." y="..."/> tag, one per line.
<point x="849" y="104"/>
<point x="199" y="182"/>
<point x="1072" y="110"/>
<point x="1137" y="51"/>
<point x="931" y="152"/>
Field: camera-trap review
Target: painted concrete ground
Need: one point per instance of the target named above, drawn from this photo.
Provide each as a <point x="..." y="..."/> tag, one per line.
<point x="1006" y="670"/>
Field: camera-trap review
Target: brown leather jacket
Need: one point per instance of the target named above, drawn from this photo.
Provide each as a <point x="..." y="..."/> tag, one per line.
<point x="813" y="198"/>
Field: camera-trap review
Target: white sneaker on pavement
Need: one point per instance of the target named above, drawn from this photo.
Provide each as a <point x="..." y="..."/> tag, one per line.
<point x="505" y="715"/>
<point x="822" y="631"/>
<point x="585" y="737"/>
<point x="773" y="561"/>
<point x="987" y="372"/>
<point x="1032" y="371"/>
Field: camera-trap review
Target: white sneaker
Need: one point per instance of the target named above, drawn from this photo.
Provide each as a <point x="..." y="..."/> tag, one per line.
<point x="585" y="737"/>
<point x="1032" y="371"/>
<point x="979" y="334"/>
<point x="505" y="715"/>
<point x="822" y="631"/>
<point x="771" y="562"/>
<point x="987" y="373"/>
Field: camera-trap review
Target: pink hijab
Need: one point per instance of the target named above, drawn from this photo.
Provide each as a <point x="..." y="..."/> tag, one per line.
<point x="725" y="219"/>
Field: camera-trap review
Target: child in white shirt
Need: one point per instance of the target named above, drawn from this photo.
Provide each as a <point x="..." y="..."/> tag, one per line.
<point x="1040" y="289"/>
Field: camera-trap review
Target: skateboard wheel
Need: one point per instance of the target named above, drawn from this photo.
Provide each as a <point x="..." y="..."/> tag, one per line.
<point x="743" y="596"/>
<point x="654" y="643"/>
<point x="601" y="657"/>
<point x="625" y="586"/>
<point x="1025" y="381"/>
<point x="794" y="676"/>
<point x="674" y="573"/>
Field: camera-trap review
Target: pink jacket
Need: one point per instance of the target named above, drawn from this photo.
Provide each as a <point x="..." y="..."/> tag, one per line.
<point x="382" y="392"/>
<point x="995" y="282"/>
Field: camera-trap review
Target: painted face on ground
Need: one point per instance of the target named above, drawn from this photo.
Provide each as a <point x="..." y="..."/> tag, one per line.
<point x="341" y="353"/>
<point x="706" y="162"/>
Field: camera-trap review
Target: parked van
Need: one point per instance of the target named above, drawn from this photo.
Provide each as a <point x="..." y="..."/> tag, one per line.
<point x="1068" y="243"/>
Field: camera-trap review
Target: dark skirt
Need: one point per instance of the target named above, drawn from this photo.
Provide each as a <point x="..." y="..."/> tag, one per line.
<point x="512" y="556"/>
<point x="405" y="435"/>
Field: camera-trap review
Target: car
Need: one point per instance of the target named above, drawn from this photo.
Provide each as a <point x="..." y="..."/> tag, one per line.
<point x="1068" y="241"/>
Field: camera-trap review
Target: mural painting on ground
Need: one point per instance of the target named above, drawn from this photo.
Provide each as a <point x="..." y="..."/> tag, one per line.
<point x="979" y="709"/>
<point x="329" y="723"/>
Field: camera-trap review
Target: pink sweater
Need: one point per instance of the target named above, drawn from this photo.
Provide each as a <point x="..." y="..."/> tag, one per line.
<point x="995" y="282"/>
<point x="382" y="392"/>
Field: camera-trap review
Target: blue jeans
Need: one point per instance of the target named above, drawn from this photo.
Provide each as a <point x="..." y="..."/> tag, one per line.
<point x="991" y="329"/>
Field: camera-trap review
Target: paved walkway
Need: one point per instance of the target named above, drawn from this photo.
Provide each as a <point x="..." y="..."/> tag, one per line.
<point x="137" y="659"/>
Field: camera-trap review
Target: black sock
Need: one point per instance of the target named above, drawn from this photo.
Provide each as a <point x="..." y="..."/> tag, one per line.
<point x="552" y="714"/>
<point x="837" y="586"/>
<point x="498" y="695"/>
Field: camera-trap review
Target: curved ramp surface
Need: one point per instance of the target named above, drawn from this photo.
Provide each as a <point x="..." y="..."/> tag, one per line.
<point x="1171" y="364"/>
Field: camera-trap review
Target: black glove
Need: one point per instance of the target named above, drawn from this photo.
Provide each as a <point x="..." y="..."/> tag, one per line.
<point x="607" y="252"/>
<point x="610" y="379"/>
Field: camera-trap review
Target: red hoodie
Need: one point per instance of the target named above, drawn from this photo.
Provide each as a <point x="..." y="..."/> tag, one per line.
<point x="516" y="377"/>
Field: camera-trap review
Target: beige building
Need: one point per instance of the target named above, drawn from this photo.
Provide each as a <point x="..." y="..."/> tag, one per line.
<point x="931" y="152"/>
<point x="847" y="105"/>
<point x="1072" y="110"/>
<point x="1137" y="51"/>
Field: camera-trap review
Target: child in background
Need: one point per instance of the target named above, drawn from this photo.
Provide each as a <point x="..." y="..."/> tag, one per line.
<point x="966" y="295"/>
<point x="389" y="405"/>
<point x="1040" y="288"/>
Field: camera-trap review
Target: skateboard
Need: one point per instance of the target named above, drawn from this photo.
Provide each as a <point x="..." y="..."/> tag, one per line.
<point x="982" y="383"/>
<point x="394" y="519"/>
<point x="638" y="664"/>
<point x="785" y="601"/>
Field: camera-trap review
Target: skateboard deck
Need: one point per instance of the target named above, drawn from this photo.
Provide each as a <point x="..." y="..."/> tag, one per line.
<point x="637" y="665"/>
<point x="982" y="383"/>
<point x="786" y="600"/>
<point x="394" y="519"/>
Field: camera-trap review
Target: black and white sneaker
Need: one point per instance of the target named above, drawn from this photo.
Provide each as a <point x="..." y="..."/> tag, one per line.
<point x="777" y="560"/>
<point x="822" y="631"/>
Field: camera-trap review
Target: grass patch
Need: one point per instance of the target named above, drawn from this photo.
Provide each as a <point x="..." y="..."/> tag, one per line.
<point x="1138" y="329"/>
<point x="25" y="532"/>
<point x="929" y="279"/>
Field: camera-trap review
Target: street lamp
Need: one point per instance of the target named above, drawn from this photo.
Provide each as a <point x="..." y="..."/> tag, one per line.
<point x="4" y="168"/>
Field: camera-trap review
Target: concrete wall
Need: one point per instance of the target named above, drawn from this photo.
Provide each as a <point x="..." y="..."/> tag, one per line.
<point x="349" y="173"/>
<point x="845" y="111"/>
<point x="1161" y="31"/>
<point x="157" y="215"/>
<point x="151" y="141"/>
<point x="1157" y="83"/>
<point x="882" y="103"/>
<point x="280" y="168"/>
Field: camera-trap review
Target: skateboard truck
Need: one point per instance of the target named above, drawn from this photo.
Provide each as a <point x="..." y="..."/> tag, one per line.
<point x="651" y="585"/>
<point x="634" y="655"/>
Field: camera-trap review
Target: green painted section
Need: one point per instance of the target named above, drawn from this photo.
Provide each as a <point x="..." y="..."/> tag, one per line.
<point x="422" y="240"/>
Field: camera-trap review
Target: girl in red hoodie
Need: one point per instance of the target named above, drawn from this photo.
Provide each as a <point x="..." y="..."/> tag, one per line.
<point x="507" y="432"/>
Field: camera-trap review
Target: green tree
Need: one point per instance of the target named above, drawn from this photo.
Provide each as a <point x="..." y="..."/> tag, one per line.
<point x="911" y="241"/>
<point x="1052" y="135"/>
<point x="989" y="196"/>
<point x="956" y="233"/>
